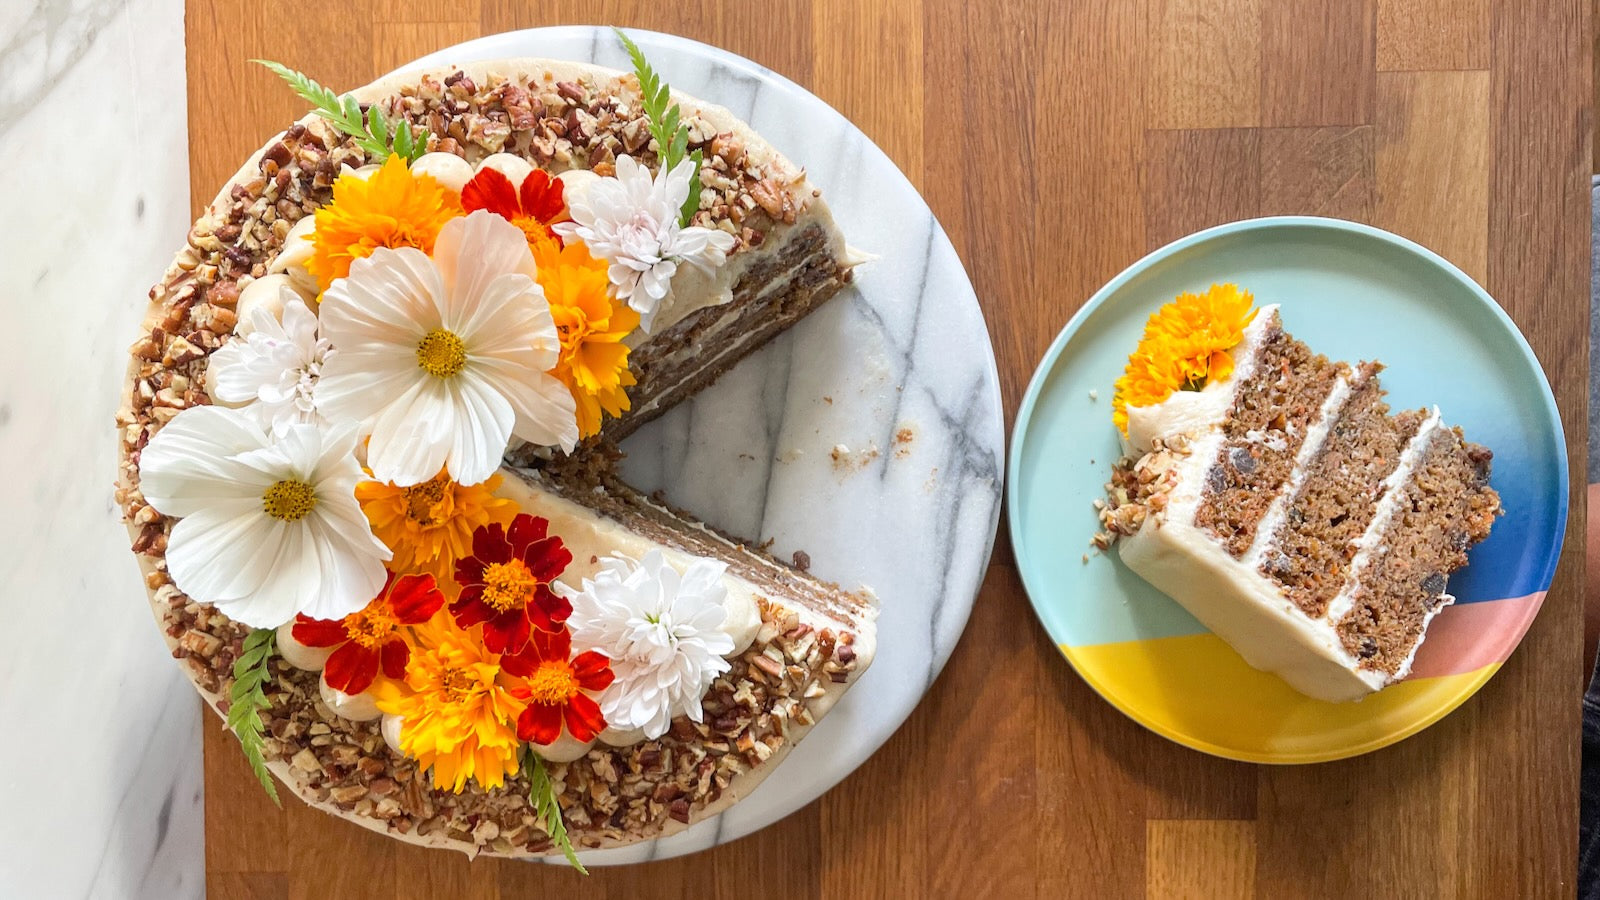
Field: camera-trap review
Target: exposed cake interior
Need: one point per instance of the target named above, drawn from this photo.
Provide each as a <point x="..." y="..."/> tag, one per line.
<point x="1273" y="410"/>
<point x="1297" y="518"/>
<point x="1432" y="519"/>
<point x="808" y="265"/>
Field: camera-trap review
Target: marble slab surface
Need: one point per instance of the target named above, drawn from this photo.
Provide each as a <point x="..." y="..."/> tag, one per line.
<point x="868" y="436"/>
<point x="100" y="773"/>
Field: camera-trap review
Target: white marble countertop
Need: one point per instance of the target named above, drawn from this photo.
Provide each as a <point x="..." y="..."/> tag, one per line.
<point x="100" y="772"/>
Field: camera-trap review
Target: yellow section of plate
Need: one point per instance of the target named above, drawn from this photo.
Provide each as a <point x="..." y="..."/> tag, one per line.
<point x="1197" y="691"/>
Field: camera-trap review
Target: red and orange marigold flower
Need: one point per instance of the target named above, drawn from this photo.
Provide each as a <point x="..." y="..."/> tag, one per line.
<point x="505" y="583"/>
<point x="371" y="639"/>
<point x="535" y="206"/>
<point x="559" y="688"/>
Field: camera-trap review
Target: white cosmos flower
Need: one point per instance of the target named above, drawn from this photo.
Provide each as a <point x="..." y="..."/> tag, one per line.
<point x="663" y="632"/>
<point x="269" y="527"/>
<point x="274" y="367"/>
<point x="632" y="221"/>
<point x="442" y="360"/>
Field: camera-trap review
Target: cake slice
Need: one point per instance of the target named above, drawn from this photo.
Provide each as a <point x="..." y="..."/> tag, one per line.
<point x="1286" y="508"/>
<point x="798" y="641"/>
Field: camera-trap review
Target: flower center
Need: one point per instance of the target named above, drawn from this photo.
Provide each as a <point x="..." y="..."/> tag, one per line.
<point x="370" y="627"/>
<point x="289" y="500"/>
<point x="441" y="354"/>
<point x="508" y="585"/>
<point x="553" y="683"/>
<point x="457" y="684"/>
<point x="422" y="500"/>
<point x="537" y="234"/>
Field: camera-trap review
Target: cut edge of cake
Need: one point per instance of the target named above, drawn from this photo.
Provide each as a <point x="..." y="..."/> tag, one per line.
<point x="1237" y="500"/>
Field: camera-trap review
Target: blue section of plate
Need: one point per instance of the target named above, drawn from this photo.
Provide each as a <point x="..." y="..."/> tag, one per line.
<point x="1350" y="291"/>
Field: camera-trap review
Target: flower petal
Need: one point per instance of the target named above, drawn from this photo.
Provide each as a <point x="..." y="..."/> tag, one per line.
<point x="224" y="553"/>
<point x="593" y="671"/>
<point x="351" y="668"/>
<point x="540" y="724"/>
<point x="483" y="421"/>
<point x="189" y="465"/>
<point x="415" y="598"/>
<point x="395" y="654"/>
<point x="319" y="632"/>
<point x="413" y="433"/>
<point x="470" y="610"/>
<point x="584" y="719"/>
<point x="493" y="246"/>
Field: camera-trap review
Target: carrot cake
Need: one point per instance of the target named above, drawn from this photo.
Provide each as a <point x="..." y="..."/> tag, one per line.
<point x="367" y="458"/>
<point x="1271" y="492"/>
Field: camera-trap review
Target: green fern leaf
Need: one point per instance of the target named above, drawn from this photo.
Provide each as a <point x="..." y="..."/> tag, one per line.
<point x="247" y="700"/>
<point x="542" y="794"/>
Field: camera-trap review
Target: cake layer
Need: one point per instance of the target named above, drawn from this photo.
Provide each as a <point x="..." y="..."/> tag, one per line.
<point x="1273" y="410"/>
<point x="1310" y="552"/>
<point x="1445" y="507"/>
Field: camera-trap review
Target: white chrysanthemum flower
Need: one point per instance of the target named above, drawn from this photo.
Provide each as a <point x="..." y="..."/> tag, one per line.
<point x="663" y="632"/>
<point x="631" y="221"/>
<point x="269" y="527"/>
<point x="273" y="369"/>
<point x="442" y="360"/>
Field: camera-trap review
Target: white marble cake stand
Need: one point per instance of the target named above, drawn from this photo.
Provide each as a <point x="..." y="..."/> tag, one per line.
<point x="868" y="436"/>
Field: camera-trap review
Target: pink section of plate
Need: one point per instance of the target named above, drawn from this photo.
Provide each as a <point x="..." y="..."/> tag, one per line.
<point x="1469" y="636"/>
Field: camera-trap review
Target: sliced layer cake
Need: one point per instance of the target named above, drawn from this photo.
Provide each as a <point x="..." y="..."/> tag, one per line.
<point x="1280" y="502"/>
<point x="557" y="150"/>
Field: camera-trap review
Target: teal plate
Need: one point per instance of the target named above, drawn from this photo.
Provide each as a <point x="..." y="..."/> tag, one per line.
<point x="1354" y="293"/>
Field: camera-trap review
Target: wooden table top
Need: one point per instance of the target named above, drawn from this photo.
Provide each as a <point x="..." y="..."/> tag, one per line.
<point x="1057" y="143"/>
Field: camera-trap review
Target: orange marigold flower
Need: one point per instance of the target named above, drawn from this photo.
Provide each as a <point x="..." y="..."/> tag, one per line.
<point x="1185" y="346"/>
<point x="592" y="325"/>
<point x="534" y="207"/>
<point x="560" y="688"/>
<point x="429" y="525"/>
<point x="458" y="707"/>
<point x="371" y="638"/>
<point x="392" y="208"/>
